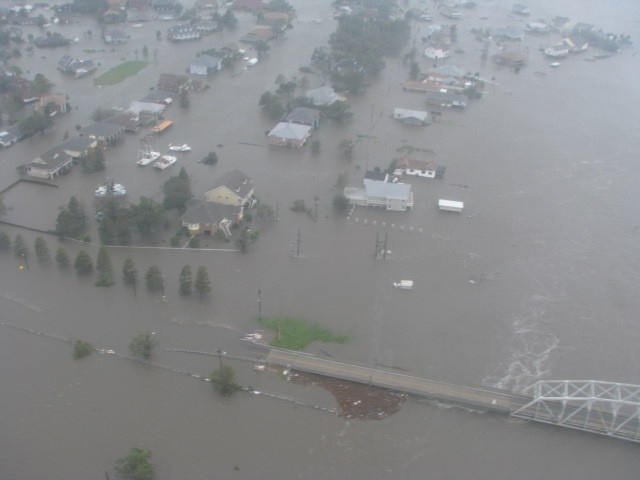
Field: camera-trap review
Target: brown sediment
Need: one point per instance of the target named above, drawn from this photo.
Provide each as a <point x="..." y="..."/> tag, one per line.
<point x="355" y="400"/>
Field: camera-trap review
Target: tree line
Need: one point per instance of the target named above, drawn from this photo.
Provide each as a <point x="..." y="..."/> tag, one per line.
<point x="84" y="265"/>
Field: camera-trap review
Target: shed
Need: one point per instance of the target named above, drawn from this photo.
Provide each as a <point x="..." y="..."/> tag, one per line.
<point x="450" y="205"/>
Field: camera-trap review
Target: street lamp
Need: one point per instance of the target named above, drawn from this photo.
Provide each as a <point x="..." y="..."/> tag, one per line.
<point x="219" y="352"/>
<point x="26" y="261"/>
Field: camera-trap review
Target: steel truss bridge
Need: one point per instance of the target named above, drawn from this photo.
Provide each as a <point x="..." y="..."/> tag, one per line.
<point x="606" y="408"/>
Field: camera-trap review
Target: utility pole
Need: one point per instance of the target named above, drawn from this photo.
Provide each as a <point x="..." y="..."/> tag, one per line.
<point x="381" y="246"/>
<point x="219" y="352"/>
<point x="316" y="201"/>
<point x="259" y="302"/>
<point x="384" y="254"/>
<point x="298" y="242"/>
<point x="277" y="216"/>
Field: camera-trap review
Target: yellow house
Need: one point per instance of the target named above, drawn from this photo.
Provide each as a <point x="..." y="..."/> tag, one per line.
<point x="233" y="188"/>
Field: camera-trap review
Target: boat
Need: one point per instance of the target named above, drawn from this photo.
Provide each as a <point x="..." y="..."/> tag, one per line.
<point x="165" y="161"/>
<point x="554" y="64"/>
<point x="114" y="189"/>
<point x="146" y="156"/>
<point x="180" y="148"/>
<point x="404" y="284"/>
<point x="161" y="127"/>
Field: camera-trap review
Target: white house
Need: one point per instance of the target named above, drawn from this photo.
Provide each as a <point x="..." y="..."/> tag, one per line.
<point x="437" y="53"/>
<point x="417" y="168"/>
<point x="205" y="65"/>
<point x="411" y="117"/>
<point x="390" y="196"/>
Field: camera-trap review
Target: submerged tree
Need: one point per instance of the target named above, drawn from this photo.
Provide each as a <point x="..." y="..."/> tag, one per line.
<point x="148" y="216"/>
<point x="177" y="191"/>
<point x="347" y="147"/>
<point x="224" y="380"/>
<point x="202" y="285"/>
<point x="71" y="220"/>
<point x="136" y="465"/>
<point x="5" y="242"/>
<point x="41" y="249"/>
<point x="104" y="268"/>
<point x="154" y="279"/>
<point x="129" y="271"/>
<point x="93" y="160"/>
<point x="186" y="281"/>
<point x="83" y="263"/>
<point x="81" y="349"/>
<point x="62" y="258"/>
<point x="142" y="345"/>
<point x="20" y="246"/>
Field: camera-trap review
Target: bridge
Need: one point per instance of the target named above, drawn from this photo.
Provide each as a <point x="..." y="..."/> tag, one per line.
<point x="605" y="408"/>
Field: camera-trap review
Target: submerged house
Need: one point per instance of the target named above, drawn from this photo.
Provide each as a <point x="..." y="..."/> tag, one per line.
<point x="286" y="134"/>
<point x="411" y="117"/>
<point x="222" y="206"/>
<point x="60" y="158"/>
<point x="417" y="168"/>
<point x="76" y="67"/>
<point x="322" y="96"/>
<point x="390" y="196"/>
<point x="303" y="116"/>
<point x="202" y="217"/>
<point x="445" y="99"/>
<point x="181" y="33"/>
<point x="206" y="64"/>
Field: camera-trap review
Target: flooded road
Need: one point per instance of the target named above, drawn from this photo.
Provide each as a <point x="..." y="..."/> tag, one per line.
<point x="536" y="279"/>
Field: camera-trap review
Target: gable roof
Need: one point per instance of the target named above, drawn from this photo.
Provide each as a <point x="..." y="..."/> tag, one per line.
<point x="391" y="191"/>
<point x="403" y="114"/>
<point x="303" y="115"/>
<point x="52" y="158"/>
<point x="201" y="211"/>
<point x="291" y="131"/>
<point x="235" y="180"/>
<point x="448" y="71"/>
<point x="139" y="107"/>
<point x="101" y="129"/>
<point x="158" y="96"/>
<point x="208" y="61"/>
<point x="78" y="146"/>
<point x="414" y="164"/>
<point x="322" y="96"/>
<point x="172" y="79"/>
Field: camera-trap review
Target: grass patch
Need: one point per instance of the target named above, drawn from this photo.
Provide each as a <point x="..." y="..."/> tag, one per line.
<point x="296" y="334"/>
<point x="120" y="73"/>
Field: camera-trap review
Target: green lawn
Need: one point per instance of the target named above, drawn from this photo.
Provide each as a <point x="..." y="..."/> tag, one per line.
<point x="296" y="334"/>
<point x="121" y="72"/>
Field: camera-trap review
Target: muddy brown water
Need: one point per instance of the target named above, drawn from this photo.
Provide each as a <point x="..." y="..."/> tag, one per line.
<point x="536" y="279"/>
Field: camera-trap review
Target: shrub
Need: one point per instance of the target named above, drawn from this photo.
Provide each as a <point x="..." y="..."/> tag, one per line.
<point x="81" y="349"/>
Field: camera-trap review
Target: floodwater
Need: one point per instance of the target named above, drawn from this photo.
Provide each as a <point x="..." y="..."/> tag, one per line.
<point x="536" y="279"/>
